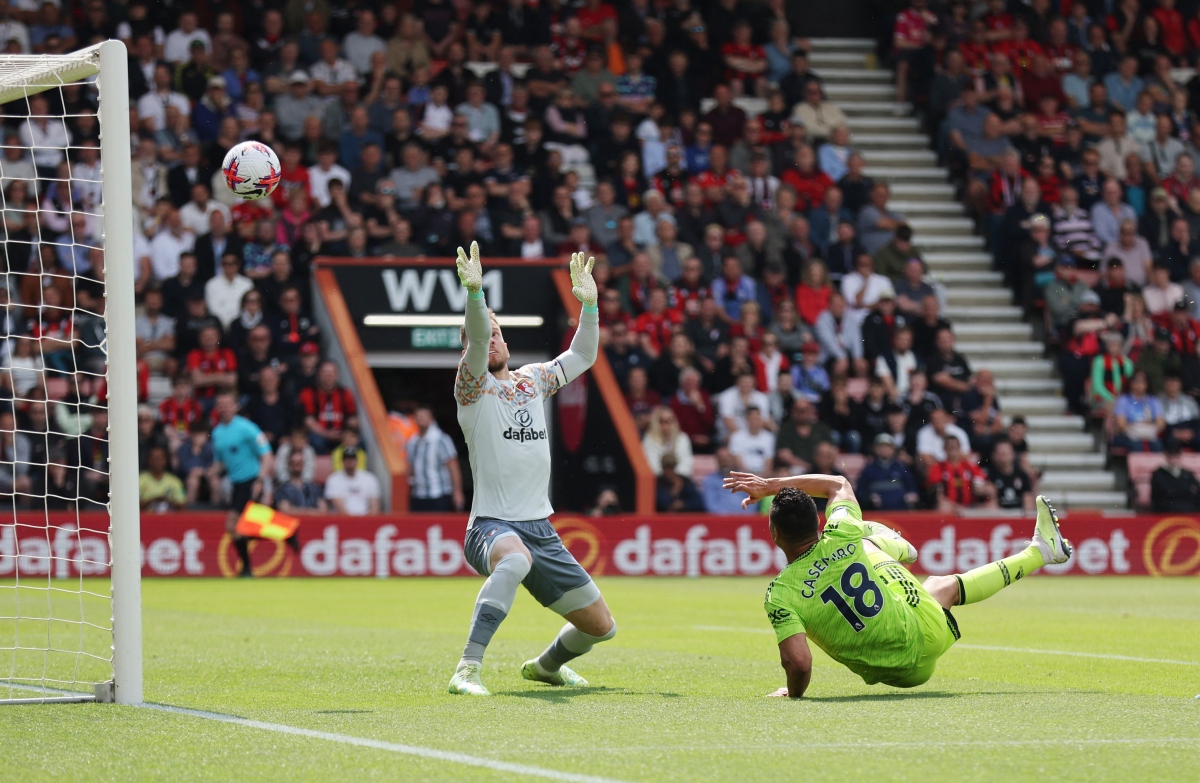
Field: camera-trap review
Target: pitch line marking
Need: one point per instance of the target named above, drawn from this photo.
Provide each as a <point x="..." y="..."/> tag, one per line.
<point x="362" y="742"/>
<point x="1025" y="650"/>
<point x="392" y="747"/>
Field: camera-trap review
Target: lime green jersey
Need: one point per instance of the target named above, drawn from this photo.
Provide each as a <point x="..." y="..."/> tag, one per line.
<point x="831" y="593"/>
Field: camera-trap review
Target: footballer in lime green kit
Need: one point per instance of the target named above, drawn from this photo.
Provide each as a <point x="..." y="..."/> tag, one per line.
<point x="846" y="590"/>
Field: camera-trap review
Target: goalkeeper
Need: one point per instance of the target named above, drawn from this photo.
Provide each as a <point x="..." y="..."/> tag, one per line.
<point x="844" y="589"/>
<point x="509" y="536"/>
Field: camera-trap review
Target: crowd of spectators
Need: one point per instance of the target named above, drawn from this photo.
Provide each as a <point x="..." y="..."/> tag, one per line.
<point x="1073" y="133"/>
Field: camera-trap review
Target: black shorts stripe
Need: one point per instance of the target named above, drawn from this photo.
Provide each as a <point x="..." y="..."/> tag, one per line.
<point x="952" y="624"/>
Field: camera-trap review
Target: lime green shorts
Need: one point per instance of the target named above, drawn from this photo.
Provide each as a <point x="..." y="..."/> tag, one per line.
<point x="939" y="630"/>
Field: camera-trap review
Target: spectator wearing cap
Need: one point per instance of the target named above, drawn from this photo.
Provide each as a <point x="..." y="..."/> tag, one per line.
<point x="211" y="110"/>
<point x="297" y="104"/>
<point x="892" y="259"/>
<point x="191" y="77"/>
<point x="1173" y="488"/>
<point x="1155" y="224"/>
<point x="1114" y="288"/>
<point x="351" y="491"/>
<point x="818" y="115"/>
<point x="886" y="483"/>
<point x="1066" y="293"/>
<point x="1158" y="359"/>
<point x="1180" y="412"/>
<point x="880" y="325"/>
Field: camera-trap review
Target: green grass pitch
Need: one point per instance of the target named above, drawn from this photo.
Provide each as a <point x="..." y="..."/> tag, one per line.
<point x="679" y="695"/>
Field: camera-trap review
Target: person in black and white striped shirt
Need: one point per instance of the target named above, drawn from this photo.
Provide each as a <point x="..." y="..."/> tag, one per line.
<point x="435" y="477"/>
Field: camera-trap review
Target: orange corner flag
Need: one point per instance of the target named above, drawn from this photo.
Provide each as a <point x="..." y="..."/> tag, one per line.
<point x="259" y="521"/>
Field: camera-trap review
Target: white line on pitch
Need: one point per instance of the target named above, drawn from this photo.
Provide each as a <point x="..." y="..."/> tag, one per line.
<point x="1105" y="656"/>
<point x="896" y="744"/>
<point x="1025" y="650"/>
<point x="392" y="747"/>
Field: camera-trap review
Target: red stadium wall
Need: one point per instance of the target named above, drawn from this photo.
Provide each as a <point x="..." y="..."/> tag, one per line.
<point x="196" y="545"/>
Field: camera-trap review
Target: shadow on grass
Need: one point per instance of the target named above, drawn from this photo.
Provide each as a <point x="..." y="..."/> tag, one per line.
<point x="903" y="695"/>
<point x="564" y="695"/>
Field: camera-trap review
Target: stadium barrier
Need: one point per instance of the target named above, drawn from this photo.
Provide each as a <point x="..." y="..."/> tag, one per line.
<point x="195" y="544"/>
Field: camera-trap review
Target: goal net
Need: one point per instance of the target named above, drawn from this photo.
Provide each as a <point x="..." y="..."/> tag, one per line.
<point x="70" y="626"/>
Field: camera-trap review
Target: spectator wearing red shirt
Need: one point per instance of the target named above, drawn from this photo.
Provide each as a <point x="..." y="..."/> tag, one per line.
<point x="1185" y="331"/>
<point x="211" y="366"/>
<point x="1041" y="81"/>
<point x="976" y="50"/>
<point x="745" y="62"/>
<point x="812" y="295"/>
<point x="293" y="175"/>
<point x="1021" y="49"/>
<point x="714" y="180"/>
<point x="328" y="409"/>
<point x="912" y="35"/>
<point x="657" y="323"/>
<point x="1171" y="29"/>
<point x="179" y="411"/>
<point x="1058" y="49"/>
<point x="592" y="17"/>
<point x="694" y="410"/>
<point x="809" y="182"/>
<point x="998" y="21"/>
<point x="959" y="482"/>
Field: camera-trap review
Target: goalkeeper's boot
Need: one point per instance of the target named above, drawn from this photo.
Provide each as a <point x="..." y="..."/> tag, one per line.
<point x="466" y="680"/>
<point x="1047" y="537"/>
<point x="564" y="676"/>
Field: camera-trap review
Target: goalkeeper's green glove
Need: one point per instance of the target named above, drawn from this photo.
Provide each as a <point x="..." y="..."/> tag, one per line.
<point x="470" y="270"/>
<point x="582" y="284"/>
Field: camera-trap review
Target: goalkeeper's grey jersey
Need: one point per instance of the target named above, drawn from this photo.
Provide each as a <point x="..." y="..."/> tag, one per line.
<point x="505" y="426"/>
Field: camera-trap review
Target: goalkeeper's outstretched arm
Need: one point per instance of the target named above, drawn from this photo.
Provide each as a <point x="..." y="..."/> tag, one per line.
<point x="815" y="484"/>
<point x="479" y="321"/>
<point x="585" y="345"/>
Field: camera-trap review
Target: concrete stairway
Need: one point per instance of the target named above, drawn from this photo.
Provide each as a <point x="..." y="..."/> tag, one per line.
<point x="990" y="330"/>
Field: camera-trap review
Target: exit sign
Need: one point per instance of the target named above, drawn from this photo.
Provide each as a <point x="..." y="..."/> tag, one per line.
<point x="433" y="339"/>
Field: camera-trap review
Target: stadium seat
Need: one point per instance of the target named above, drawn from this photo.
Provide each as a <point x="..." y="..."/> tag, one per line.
<point x="702" y="465"/>
<point x="1141" y="466"/>
<point x="481" y="69"/>
<point x="322" y="467"/>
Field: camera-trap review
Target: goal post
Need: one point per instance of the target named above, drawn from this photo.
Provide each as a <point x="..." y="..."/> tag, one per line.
<point x="70" y="519"/>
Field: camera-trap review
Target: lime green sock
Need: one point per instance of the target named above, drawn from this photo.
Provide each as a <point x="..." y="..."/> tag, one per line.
<point x="984" y="582"/>
<point x="897" y="548"/>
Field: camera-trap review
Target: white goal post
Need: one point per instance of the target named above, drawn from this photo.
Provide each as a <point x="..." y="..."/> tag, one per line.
<point x="70" y="560"/>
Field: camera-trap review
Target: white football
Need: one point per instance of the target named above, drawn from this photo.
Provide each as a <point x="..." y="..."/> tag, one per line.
<point x="252" y="170"/>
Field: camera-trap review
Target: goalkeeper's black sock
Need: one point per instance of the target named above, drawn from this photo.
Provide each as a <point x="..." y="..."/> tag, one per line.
<point x="243" y="548"/>
<point x="293" y="541"/>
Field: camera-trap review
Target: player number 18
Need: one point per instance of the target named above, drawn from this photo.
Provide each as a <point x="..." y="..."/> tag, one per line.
<point x="858" y="593"/>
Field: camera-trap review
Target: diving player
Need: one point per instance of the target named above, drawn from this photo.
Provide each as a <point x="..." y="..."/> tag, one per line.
<point x="509" y="535"/>
<point x="844" y="589"/>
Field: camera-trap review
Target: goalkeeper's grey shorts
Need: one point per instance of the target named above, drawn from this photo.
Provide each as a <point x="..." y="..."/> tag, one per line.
<point x="556" y="579"/>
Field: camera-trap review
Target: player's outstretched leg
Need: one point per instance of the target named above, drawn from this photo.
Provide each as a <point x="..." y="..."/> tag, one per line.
<point x="1048" y="546"/>
<point x="571" y="642"/>
<point x="491" y="607"/>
